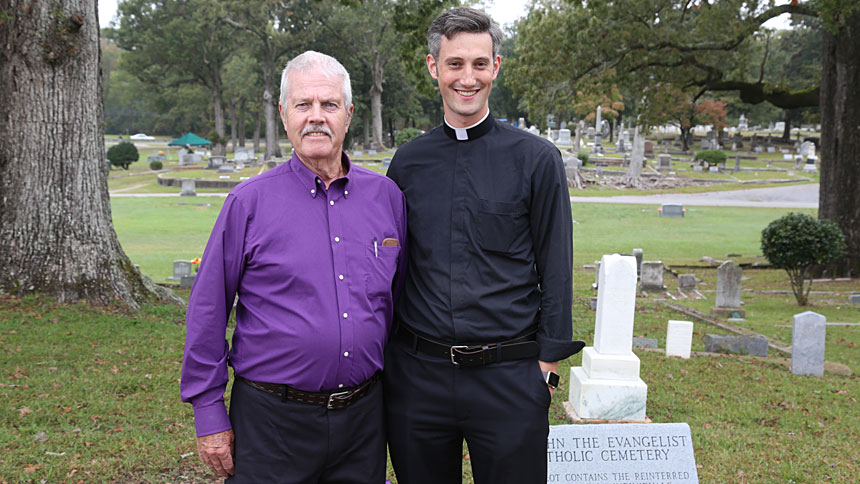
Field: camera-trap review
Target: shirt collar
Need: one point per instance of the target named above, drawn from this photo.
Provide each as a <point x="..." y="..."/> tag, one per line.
<point x="472" y="132"/>
<point x="313" y="183"/>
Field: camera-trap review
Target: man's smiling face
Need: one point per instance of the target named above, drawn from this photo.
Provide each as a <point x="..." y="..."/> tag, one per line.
<point x="465" y="71"/>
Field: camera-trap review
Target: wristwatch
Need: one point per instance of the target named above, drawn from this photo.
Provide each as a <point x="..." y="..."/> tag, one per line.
<point x="551" y="378"/>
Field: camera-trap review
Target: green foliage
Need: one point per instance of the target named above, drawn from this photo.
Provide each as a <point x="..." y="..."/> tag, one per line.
<point x="155" y="165"/>
<point x="796" y="243"/>
<point x="713" y="157"/>
<point x="123" y="154"/>
<point x="406" y="135"/>
<point x="583" y="157"/>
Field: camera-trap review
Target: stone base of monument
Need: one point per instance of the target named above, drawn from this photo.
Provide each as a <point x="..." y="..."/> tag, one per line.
<point x="728" y="312"/>
<point x="593" y="398"/>
<point x="568" y="409"/>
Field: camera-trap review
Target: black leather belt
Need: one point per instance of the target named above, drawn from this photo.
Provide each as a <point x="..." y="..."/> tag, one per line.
<point x="331" y="400"/>
<point x="470" y="355"/>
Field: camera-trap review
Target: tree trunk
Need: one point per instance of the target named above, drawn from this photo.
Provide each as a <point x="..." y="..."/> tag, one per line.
<point x="242" y="122"/>
<point x="840" y="137"/>
<point x="376" y="73"/>
<point x="55" y="219"/>
<point x="220" y="125"/>
<point x="258" y="119"/>
<point x="233" y="117"/>
<point x="634" y="171"/>
<point x="787" y="118"/>
<point x="270" y="108"/>
<point x="365" y="128"/>
<point x="685" y="133"/>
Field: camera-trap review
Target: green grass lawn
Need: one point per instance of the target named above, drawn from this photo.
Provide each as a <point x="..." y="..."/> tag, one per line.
<point x="92" y="395"/>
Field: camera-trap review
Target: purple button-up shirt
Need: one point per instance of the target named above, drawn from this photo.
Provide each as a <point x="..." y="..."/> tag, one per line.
<point x="315" y="285"/>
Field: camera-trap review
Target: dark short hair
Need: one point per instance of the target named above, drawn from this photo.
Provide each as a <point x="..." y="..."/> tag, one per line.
<point x="462" y="19"/>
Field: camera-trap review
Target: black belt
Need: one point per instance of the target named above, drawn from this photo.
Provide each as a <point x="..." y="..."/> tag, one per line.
<point x="470" y="355"/>
<point x="331" y="400"/>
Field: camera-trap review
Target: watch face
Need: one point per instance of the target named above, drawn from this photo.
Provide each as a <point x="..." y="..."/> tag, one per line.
<point x="552" y="379"/>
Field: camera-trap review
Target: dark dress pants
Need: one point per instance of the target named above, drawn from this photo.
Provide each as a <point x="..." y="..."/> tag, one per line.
<point x="288" y="442"/>
<point x="431" y="405"/>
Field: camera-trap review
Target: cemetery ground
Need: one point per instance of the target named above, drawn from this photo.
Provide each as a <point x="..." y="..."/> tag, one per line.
<point x="92" y="395"/>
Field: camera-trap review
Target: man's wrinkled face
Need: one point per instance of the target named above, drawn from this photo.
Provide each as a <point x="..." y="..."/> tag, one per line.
<point x="465" y="69"/>
<point x="315" y="117"/>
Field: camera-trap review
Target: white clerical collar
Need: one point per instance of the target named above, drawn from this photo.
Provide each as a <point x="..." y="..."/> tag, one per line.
<point x="462" y="133"/>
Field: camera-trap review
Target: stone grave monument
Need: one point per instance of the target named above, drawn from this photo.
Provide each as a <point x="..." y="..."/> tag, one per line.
<point x="651" y="278"/>
<point x="564" y="140"/>
<point x="728" y="291"/>
<point x="679" y="338"/>
<point x="807" y="344"/>
<point x="637" y="253"/>
<point x="189" y="187"/>
<point x="607" y="385"/>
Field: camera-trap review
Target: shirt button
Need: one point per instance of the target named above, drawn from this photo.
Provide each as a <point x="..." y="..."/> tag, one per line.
<point x="340" y="385"/>
<point x="337" y="239"/>
<point x="331" y="202"/>
<point x="345" y="315"/>
<point x="340" y="276"/>
<point x="346" y="353"/>
<point x="313" y="191"/>
<point x="346" y="192"/>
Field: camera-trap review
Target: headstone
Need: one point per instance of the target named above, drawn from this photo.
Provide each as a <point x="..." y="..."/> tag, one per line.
<point x="596" y="275"/>
<point x="737" y="162"/>
<point x="713" y="169"/>
<point x="188" y="188"/>
<point x="728" y="291"/>
<point x="664" y="162"/>
<point x="534" y="130"/>
<point x="651" y="278"/>
<point x="649" y="149"/>
<point x="386" y="162"/>
<point x="180" y="268"/>
<point x="679" y="338"/>
<point x="771" y="149"/>
<point x="809" y="167"/>
<point x="356" y="153"/>
<point x="644" y="342"/>
<point x="779" y="126"/>
<point x="564" y="138"/>
<point x="742" y="122"/>
<point x="757" y="149"/>
<point x="697" y="168"/>
<point x="621" y="453"/>
<point x="741" y="345"/>
<point x="226" y="168"/>
<point x="607" y="385"/>
<point x="637" y="253"/>
<point x="854" y="299"/>
<point x="589" y="132"/>
<point x="807" y="344"/>
<point x="372" y="152"/>
<point x="521" y="123"/>
<point x="672" y="210"/>
<point x="240" y="166"/>
<point x="686" y="282"/>
<point x="578" y="141"/>
<point x="187" y="281"/>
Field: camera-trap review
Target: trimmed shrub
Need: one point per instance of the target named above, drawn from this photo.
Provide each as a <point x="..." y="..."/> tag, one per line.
<point x="406" y="135"/>
<point x="155" y="165"/>
<point x="798" y="242"/>
<point x="583" y="157"/>
<point x="123" y="154"/>
<point x="713" y="157"/>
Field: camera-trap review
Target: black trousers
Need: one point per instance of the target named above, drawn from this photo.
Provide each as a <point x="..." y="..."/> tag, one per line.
<point x="501" y="410"/>
<point x="288" y="442"/>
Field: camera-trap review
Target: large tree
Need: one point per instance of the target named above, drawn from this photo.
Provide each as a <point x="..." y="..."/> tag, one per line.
<point x="55" y="221"/>
<point x="706" y="44"/>
<point x="176" y="42"/>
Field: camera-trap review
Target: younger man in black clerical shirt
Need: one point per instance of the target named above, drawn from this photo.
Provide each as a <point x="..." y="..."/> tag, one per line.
<point x="485" y="312"/>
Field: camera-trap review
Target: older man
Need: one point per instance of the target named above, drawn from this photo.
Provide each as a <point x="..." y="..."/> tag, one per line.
<point x="313" y="249"/>
<point x="485" y="314"/>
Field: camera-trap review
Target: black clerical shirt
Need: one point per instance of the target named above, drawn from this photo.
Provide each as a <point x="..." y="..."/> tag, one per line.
<point x="490" y="238"/>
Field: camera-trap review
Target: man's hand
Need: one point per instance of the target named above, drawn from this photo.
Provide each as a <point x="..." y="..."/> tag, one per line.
<point x="216" y="451"/>
<point x="549" y="366"/>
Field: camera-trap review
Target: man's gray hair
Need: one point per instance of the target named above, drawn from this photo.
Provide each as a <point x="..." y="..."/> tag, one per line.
<point x="311" y="61"/>
<point x="462" y="19"/>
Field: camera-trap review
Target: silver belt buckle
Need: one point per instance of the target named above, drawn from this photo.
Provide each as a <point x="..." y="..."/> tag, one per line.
<point x="452" y="353"/>
<point x="332" y="397"/>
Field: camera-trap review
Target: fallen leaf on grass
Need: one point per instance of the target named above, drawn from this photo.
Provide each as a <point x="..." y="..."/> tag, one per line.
<point x="40" y="437"/>
<point x="55" y="454"/>
<point x="24" y="411"/>
<point x="31" y="468"/>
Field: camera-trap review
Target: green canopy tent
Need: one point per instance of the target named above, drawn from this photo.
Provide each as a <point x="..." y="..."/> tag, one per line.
<point x="190" y="139"/>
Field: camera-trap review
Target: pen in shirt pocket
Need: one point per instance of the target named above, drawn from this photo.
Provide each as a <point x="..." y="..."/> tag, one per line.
<point x="375" y="248"/>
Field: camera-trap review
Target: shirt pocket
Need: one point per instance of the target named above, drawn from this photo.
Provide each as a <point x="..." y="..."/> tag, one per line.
<point x="380" y="264"/>
<point x="501" y="225"/>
